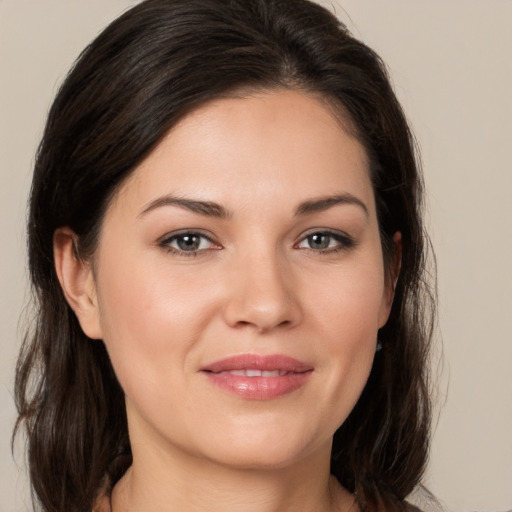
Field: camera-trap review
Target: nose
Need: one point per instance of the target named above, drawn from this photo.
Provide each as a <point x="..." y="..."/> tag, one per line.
<point x="263" y="294"/>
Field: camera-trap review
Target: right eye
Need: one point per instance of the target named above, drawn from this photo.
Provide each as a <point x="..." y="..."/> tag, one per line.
<point x="188" y="243"/>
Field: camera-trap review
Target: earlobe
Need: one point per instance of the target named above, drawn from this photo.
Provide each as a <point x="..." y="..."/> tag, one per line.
<point x="77" y="282"/>
<point x="397" y="261"/>
<point x="391" y="280"/>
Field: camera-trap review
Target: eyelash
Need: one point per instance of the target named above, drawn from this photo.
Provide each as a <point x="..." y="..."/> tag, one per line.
<point x="344" y="242"/>
<point x="166" y="242"/>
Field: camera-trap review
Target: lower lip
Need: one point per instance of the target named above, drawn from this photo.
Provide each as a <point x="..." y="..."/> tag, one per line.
<point x="259" y="388"/>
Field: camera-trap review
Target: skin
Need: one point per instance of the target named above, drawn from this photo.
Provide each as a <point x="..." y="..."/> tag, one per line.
<point x="256" y="284"/>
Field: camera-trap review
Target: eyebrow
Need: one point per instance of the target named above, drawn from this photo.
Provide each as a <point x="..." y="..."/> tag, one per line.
<point x="207" y="208"/>
<point x="211" y="209"/>
<point x="324" y="203"/>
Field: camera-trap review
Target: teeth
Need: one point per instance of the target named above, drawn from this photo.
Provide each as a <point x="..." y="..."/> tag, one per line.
<point x="256" y="373"/>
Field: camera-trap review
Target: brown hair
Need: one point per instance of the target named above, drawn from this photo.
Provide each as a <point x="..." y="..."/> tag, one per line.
<point x="143" y="73"/>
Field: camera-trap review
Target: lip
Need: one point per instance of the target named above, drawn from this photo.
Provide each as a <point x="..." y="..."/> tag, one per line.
<point x="288" y="375"/>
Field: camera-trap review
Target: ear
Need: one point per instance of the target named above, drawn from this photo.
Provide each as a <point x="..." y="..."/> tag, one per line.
<point x="391" y="279"/>
<point x="77" y="282"/>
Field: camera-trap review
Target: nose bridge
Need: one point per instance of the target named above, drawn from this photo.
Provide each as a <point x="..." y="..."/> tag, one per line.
<point x="262" y="292"/>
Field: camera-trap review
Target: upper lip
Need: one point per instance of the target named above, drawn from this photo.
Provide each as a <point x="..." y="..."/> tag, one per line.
<point x="258" y="362"/>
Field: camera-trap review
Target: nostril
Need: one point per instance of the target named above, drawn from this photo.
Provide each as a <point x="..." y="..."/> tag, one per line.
<point x="243" y="323"/>
<point x="261" y="326"/>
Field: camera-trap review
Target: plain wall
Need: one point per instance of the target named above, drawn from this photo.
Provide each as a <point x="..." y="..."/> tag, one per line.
<point x="451" y="64"/>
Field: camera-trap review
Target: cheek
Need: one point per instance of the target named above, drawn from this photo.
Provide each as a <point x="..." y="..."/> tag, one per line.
<point x="151" y="320"/>
<point x="349" y="302"/>
<point x="347" y="314"/>
<point x="350" y="342"/>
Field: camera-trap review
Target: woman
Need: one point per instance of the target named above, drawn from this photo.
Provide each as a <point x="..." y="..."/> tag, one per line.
<point x="226" y="248"/>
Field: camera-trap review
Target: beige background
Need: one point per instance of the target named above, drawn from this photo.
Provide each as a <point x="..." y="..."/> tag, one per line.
<point x="451" y="62"/>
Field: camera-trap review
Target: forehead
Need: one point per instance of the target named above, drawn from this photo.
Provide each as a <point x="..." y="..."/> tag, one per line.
<point x="278" y="145"/>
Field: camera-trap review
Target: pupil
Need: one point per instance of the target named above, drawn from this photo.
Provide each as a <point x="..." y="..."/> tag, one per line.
<point x="319" y="241"/>
<point x="188" y="242"/>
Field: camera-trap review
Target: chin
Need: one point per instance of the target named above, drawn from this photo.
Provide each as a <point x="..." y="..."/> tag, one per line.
<point x="261" y="458"/>
<point x="266" y="448"/>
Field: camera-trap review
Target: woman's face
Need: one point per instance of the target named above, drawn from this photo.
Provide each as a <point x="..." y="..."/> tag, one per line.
<point x="240" y="284"/>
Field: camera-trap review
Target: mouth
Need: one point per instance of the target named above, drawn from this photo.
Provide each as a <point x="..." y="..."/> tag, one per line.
<point x="256" y="377"/>
<point x="255" y="373"/>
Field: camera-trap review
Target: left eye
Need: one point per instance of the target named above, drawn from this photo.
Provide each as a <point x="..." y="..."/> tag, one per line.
<point x="325" y="241"/>
<point x="188" y="242"/>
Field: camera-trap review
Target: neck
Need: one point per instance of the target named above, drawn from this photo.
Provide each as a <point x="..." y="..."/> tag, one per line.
<point x="181" y="482"/>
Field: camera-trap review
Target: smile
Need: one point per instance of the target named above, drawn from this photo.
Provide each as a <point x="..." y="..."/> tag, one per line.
<point x="256" y="373"/>
<point x="254" y="377"/>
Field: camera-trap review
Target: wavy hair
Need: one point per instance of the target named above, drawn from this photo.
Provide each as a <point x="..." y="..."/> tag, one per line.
<point x="157" y="62"/>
